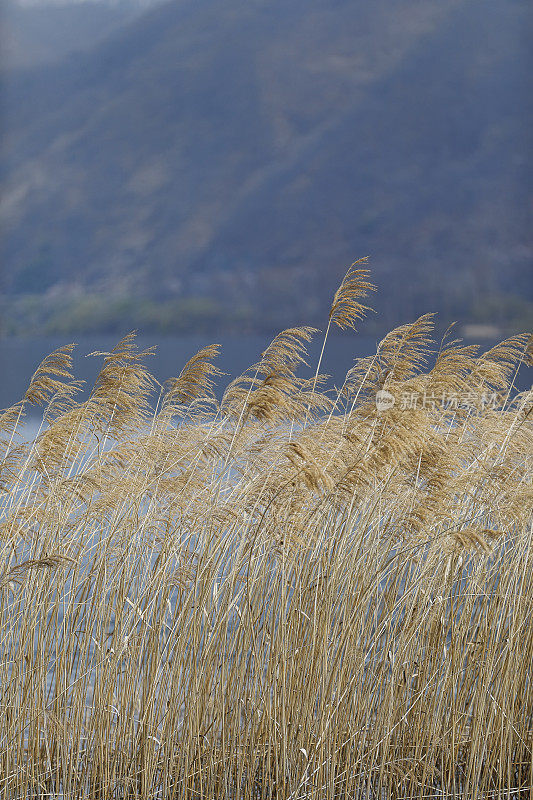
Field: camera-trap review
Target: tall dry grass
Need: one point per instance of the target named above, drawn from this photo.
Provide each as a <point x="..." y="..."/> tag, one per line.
<point x="286" y="594"/>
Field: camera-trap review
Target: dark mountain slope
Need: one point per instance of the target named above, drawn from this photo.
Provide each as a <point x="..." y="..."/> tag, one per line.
<point x="248" y="152"/>
<point x="39" y="34"/>
<point x="430" y="173"/>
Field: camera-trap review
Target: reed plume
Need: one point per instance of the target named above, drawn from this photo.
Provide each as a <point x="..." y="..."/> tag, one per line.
<point x="346" y="308"/>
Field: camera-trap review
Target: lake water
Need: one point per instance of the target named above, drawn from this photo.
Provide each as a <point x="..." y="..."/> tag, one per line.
<point x="20" y="357"/>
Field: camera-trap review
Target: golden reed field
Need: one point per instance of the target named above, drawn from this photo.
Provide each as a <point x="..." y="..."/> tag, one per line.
<point x="294" y="592"/>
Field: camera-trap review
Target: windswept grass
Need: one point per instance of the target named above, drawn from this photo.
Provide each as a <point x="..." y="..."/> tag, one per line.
<point x="291" y="593"/>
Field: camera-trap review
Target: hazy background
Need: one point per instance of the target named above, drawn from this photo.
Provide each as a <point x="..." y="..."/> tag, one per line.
<point x="211" y="167"/>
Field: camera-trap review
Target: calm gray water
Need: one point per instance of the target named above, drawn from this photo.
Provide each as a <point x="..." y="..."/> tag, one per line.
<point x="20" y="357"/>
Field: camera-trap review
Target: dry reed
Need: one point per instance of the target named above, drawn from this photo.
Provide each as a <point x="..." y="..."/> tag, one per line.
<point x="292" y="593"/>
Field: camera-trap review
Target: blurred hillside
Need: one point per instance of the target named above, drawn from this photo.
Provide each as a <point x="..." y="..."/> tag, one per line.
<point x="219" y="165"/>
<point x="36" y="34"/>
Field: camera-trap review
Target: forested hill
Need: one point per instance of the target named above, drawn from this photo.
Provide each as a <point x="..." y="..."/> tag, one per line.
<point x="221" y="164"/>
<point x="40" y="33"/>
